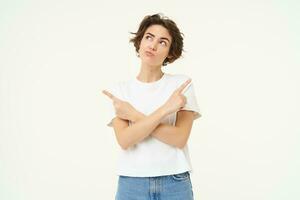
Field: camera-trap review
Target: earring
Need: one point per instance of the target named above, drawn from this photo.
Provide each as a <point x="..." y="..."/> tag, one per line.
<point x="137" y="54"/>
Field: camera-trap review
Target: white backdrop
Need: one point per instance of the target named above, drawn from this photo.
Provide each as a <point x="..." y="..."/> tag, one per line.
<point x="57" y="56"/>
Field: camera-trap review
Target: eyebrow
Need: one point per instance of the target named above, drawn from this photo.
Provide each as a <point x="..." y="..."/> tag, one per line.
<point x="164" y="38"/>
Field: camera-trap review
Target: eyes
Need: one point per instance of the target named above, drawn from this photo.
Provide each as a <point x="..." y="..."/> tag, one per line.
<point x="162" y="42"/>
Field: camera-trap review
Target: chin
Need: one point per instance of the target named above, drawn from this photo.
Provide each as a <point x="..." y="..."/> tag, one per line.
<point x="150" y="62"/>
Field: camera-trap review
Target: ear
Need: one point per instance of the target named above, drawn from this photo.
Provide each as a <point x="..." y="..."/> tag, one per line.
<point x="169" y="56"/>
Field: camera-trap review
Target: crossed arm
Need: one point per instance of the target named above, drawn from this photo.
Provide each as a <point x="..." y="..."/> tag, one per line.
<point x="173" y="135"/>
<point x="143" y="126"/>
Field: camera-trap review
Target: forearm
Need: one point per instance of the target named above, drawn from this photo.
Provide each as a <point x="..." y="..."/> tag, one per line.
<point x="142" y="128"/>
<point x="164" y="132"/>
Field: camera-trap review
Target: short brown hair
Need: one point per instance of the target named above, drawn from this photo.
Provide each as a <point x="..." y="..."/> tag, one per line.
<point x="158" y="19"/>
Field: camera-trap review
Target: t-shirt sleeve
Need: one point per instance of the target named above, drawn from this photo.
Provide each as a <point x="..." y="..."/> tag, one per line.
<point x="191" y="101"/>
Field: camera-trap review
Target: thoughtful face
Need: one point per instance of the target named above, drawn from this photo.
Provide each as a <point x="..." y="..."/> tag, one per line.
<point x="155" y="45"/>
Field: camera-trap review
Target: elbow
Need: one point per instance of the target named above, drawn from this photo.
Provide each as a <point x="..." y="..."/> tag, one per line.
<point x="181" y="145"/>
<point x="123" y="145"/>
<point x="121" y="140"/>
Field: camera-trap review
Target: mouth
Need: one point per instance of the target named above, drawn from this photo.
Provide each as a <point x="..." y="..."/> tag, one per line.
<point x="148" y="53"/>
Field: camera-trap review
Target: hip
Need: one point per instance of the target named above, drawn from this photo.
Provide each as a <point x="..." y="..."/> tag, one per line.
<point x="167" y="187"/>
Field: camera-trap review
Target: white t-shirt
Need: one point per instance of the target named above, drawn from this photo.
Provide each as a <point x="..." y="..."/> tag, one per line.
<point x="151" y="157"/>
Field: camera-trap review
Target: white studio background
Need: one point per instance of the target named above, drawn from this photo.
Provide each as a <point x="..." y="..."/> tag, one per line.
<point x="57" y="56"/>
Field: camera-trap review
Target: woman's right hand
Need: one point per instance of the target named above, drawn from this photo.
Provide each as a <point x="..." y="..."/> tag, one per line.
<point x="177" y="100"/>
<point x="123" y="109"/>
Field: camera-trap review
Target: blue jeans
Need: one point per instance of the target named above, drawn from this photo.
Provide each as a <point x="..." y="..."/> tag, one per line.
<point x="169" y="187"/>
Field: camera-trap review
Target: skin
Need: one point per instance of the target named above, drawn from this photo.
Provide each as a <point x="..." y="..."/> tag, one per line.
<point x="156" y="41"/>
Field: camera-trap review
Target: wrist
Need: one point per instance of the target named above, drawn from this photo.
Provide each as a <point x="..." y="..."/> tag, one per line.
<point x="163" y="112"/>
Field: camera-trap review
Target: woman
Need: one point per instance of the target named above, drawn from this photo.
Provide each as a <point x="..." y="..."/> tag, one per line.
<point x="153" y="117"/>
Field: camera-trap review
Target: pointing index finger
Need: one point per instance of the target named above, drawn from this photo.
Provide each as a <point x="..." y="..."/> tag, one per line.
<point x="183" y="86"/>
<point x="108" y="94"/>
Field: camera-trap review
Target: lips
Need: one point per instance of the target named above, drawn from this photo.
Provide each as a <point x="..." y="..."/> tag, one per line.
<point x="148" y="53"/>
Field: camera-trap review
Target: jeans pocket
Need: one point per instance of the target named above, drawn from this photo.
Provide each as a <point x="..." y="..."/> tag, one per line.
<point x="181" y="176"/>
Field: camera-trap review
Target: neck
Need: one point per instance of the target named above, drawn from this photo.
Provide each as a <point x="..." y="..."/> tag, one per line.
<point x="150" y="73"/>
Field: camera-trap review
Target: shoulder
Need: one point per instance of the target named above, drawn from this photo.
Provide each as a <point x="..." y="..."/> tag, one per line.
<point x="177" y="78"/>
<point x="117" y="88"/>
<point x="120" y="84"/>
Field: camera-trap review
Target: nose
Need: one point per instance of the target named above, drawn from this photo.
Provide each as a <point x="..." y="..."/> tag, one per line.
<point x="153" y="45"/>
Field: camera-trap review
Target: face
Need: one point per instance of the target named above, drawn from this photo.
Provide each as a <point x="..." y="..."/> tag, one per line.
<point x="155" y="45"/>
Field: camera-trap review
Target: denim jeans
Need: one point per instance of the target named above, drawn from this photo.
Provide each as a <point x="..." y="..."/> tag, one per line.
<point x="169" y="187"/>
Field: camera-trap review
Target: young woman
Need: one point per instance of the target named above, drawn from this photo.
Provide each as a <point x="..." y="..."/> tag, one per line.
<point x="152" y="118"/>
